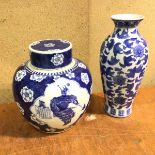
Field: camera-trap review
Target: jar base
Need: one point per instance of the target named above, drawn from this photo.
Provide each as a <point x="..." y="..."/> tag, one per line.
<point x="117" y="112"/>
<point x="49" y="132"/>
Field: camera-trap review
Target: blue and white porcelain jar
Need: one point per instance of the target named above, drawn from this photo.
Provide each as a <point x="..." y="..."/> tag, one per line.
<point x="52" y="89"/>
<point x="123" y="60"/>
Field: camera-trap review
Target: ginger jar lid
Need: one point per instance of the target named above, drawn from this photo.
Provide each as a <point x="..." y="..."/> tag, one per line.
<point x="50" y="54"/>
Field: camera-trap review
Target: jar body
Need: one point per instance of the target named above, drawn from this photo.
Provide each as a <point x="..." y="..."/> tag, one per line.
<point x="52" y="102"/>
<point x="123" y="60"/>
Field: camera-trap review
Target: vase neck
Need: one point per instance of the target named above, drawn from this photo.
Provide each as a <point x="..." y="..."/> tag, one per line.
<point x="50" y="54"/>
<point x="133" y="30"/>
<point x="126" y="24"/>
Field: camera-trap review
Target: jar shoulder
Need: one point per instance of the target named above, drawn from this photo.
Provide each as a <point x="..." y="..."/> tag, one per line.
<point x="32" y="77"/>
<point x="76" y="66"/>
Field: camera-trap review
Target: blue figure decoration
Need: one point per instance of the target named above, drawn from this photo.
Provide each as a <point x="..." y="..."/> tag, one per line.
<point x="59" y="106"/>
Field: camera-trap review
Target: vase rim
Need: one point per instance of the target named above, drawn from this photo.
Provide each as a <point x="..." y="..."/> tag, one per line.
<point x="127" y="17"/>
<point x="67" y="47"/>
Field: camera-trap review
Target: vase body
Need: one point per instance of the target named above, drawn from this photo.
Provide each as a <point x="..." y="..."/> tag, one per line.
<point x="52" y="89"/>
<point x="123" y="60"/>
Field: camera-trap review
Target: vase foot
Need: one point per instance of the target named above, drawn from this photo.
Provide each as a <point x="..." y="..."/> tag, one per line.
<point x="121" y="113"/>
